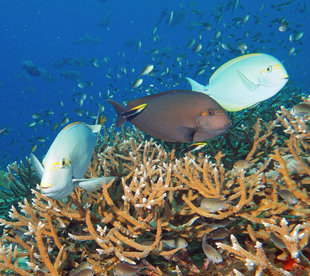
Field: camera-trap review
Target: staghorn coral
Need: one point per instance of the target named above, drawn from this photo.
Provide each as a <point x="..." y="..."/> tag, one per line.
<point x="259" y="260"/>
<point x="160" y="198"/>
<point x="20" y="180"/>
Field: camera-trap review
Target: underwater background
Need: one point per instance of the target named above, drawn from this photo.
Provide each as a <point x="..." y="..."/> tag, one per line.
<point x="88" y="51"/>
<point x="239" y="206"/>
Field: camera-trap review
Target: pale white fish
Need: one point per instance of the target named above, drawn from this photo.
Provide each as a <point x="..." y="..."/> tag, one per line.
<point x="147" y="69"/>
<point x="288" y="196"/>
<point x="137" y="83"/>
<point x="277" y="240"/>
<point x="211" y="253"/>
<point x="82" y="269"/>
<point x="125" y="269"/>
<point x="67" y="161"/>
<point x="213" y="204"/>
<point x="175" y="243"/>
<point x="244" y="81"/>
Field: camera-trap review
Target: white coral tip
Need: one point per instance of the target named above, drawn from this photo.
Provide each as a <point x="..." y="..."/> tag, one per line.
<point x="266" y="224"/>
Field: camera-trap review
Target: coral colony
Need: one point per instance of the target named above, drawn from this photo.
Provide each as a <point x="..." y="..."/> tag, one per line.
<point x="240" y="211"/>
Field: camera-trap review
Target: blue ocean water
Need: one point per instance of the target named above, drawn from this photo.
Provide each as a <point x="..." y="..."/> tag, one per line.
<point x="108" y="43"/>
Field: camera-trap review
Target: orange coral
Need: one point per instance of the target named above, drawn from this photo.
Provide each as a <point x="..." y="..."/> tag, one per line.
<point x="161" y="197"/>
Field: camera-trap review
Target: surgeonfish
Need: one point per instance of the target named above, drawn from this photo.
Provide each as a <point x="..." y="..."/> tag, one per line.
<point x="175" y="116"/>
<point x="244" y="81"/>
<point x="67" y="160"/>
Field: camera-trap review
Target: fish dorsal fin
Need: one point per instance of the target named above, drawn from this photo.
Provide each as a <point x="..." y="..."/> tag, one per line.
<point x="94" y="128"/>
<point x="72" y="124"/>
<point x="196" y="86"/>
<point x="133" y="112"/>
<point x="248" y="83"/>
<point x="228" y="64"/>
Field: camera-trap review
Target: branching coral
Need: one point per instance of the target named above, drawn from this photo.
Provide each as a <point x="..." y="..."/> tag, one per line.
<point x="20" y="180"/>
<point x="258" y="261"/>
<point x="160" y="198"/>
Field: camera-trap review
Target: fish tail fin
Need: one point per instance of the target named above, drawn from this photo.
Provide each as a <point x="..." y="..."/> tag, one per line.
<point x="120" y="110"/>
<point x="196" y="86"/>
<point x="133" y="112"/>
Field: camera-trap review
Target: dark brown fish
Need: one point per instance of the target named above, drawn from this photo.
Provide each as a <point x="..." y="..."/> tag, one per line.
<point x="175" y="116"/>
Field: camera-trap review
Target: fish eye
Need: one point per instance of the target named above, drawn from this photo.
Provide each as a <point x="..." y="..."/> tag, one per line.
<point x="210" y="112"/>
<point x="64" y="163"/>
<point x="269" y="69"/>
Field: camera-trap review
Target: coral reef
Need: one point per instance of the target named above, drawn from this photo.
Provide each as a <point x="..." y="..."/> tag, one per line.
<point x="16" y="185"/>
<point x="156" y="216"/>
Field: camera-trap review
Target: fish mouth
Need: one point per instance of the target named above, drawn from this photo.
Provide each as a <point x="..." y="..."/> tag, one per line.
<point x="45" y="185"/>
<point x="285" y="77"/>
<point x="228" y="125"/>
<point x="46" y="190"/>
<point x="220" y="130"/>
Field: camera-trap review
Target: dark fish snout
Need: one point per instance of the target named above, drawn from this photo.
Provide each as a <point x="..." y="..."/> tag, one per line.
<point x="228" y="124"/>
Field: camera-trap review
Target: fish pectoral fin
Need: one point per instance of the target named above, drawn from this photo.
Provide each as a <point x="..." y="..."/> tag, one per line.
<point x="93" y="184"/>
<point x="196" y="86"/>
<point x="95" y="128"/>
<point x="188" y="133"/>
<point x="38" y="167"/>
<point x="133" y="112"/>
<point x="202" y="135"/>
<point x="194" y="147"/>
<point x="248" y="83"/>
